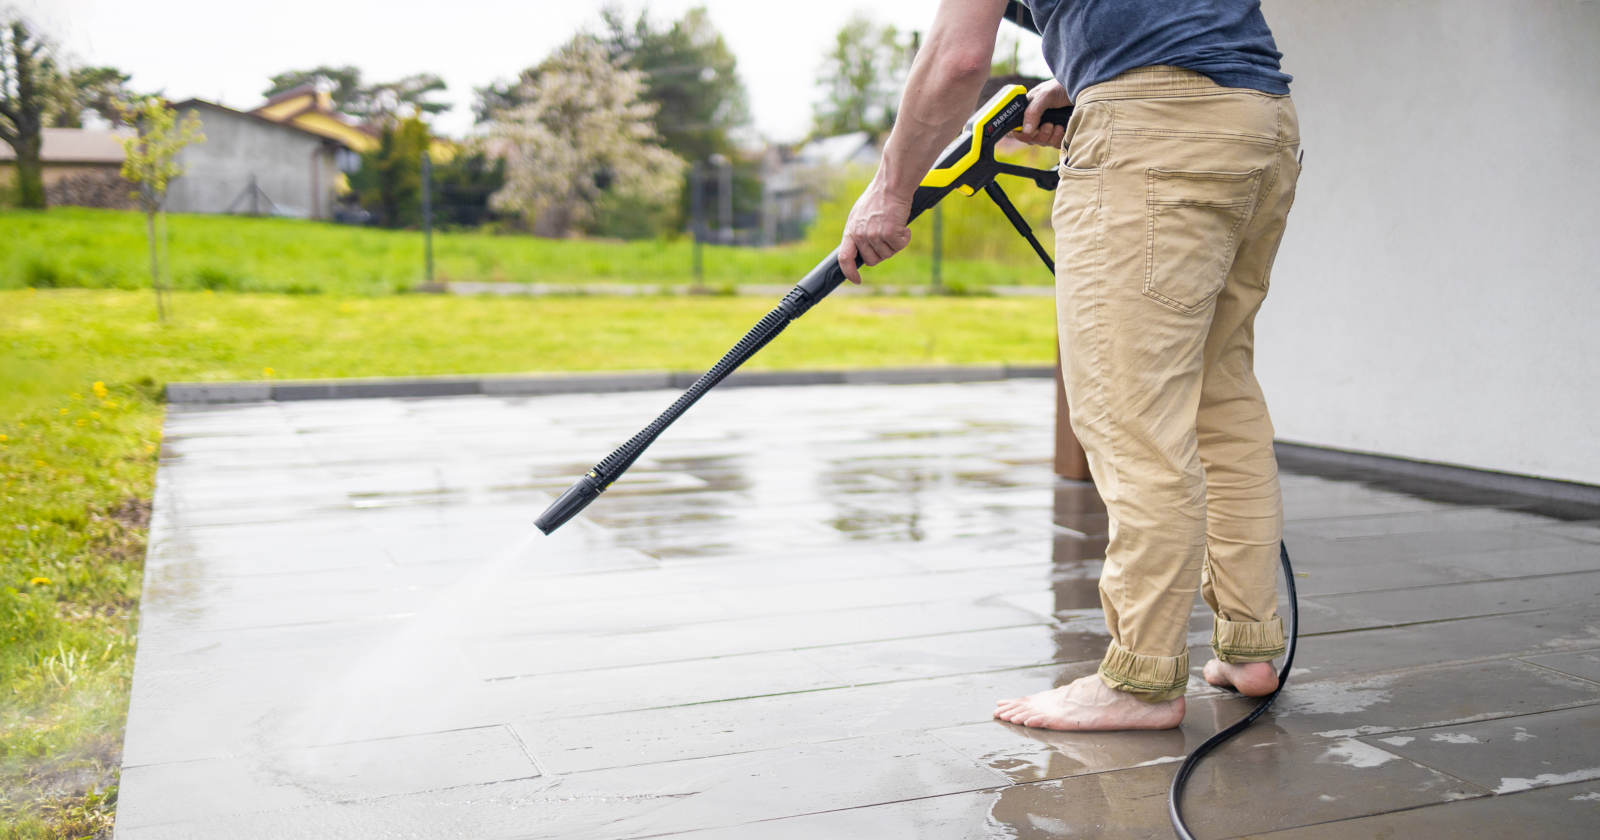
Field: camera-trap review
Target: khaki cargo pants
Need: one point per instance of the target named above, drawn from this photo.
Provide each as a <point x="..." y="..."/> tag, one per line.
<point x="1172" y="202"/>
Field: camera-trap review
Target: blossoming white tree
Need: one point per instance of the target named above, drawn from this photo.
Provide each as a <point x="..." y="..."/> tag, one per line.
<point x="583" y="131"/>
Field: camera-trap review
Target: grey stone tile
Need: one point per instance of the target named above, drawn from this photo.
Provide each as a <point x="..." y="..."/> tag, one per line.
<point x="299" y="778"/>
<point x="912" y="376"/>
<point x="633" y="801"/>
<point x="759" y="378"/>
<point x="1225" y="799"/>
<point x="1445" y="642"/>
<point x="736" y="789"/>
<point x="1312" y="551"/>
<point x="1551" y="560"/>
<point x="952" y="654"/>
<point x="519" y="655"/>
<point x="1512" y="754"/>
<point x="1424" y="522"/>
<point x="759" y="723"/>
<point x="1583" y="531"/>
<point x="227" y="392"/>
<point x="1584" y="664"/>
<point x="1568" y="811"/>
<point x="1448" y="601"/>
<point x="1430" y="697"/>
<point x="575" y="383"/>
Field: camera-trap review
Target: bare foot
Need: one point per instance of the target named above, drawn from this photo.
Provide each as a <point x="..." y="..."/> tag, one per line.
<point x="1252" y="679"/>
<point x="1089" y="705"/>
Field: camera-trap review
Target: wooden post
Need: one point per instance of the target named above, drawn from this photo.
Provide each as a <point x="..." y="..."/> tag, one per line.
<point x="1070" y="460"/>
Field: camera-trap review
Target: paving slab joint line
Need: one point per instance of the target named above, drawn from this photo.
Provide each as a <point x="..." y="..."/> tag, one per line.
<point x="211" y="393"/>
<point x="1554" y="670"/>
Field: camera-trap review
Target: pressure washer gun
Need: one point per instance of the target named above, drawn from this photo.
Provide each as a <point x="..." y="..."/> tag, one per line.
<point x="967" y="165"/>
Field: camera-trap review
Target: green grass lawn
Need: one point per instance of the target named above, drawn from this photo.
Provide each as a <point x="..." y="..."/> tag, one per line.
<point x="71" y="247"/>
<point x="81" y="374"/>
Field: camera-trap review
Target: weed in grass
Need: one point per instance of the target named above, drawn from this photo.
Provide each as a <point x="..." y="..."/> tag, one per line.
<point x="37" y="273"/>
<point x="216" y="279"/>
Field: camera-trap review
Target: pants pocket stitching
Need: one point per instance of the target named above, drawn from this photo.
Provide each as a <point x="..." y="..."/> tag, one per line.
<point x="1153" y="206"/>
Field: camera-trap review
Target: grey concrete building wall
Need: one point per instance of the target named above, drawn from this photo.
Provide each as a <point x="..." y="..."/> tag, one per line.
<point x="288" y="164"/>
<point x="1437" y="296"/>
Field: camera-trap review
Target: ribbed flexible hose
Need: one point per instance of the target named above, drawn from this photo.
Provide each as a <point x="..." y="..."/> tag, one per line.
<point x="793" y="306"/>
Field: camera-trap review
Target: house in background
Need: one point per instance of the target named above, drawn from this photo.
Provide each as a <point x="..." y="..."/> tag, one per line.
<point x="252" y="164"/>
<point x="312" y="110"/>
<point x="81" y="166"/>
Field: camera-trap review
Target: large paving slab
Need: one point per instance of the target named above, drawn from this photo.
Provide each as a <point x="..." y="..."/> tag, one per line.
<point x="791" y="619"/>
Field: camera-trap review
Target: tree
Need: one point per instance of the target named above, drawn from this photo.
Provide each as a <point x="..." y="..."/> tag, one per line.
<point x="583" y="131"/>
<point x="378" y="102"/>
<point x="29" y="87"/>
<point x="689" y="73"/>
<point x="389" y="182"/>
<point x="150" y="163"/>
<point x="100" y="90"/>
<point x="860" y="78"/>
<point x="343" y="84"/>
<point x="410" y="96"/>
<point x="464" y="186"/>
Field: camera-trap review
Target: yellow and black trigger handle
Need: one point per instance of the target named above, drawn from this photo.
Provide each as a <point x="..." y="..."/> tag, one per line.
<point x="966" y="165"/>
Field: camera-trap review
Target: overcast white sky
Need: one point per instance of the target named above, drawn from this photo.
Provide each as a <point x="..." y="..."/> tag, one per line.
<point x="225" y="51"/>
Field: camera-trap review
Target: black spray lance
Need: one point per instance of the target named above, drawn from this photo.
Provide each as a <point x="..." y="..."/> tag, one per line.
<point x="966" y="165"/>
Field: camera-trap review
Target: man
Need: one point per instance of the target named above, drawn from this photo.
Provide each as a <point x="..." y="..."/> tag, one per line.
<point x="1179" y="167"/>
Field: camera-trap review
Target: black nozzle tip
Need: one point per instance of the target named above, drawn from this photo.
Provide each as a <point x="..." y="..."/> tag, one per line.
<point x="578" y="496"/>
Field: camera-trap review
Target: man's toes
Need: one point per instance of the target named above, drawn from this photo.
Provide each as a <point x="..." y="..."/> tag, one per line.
<point x="1005" y="710"/>
<point x="1038" y="720"/>
<point x="1016" y="713"/>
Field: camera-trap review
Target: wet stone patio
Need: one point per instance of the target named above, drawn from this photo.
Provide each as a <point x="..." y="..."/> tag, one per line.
<point x="791" y="620"/>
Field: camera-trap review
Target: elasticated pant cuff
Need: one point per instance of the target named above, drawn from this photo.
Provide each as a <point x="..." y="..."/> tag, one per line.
<point x="1248" y="641"/>
<point x="1153" y="679"/>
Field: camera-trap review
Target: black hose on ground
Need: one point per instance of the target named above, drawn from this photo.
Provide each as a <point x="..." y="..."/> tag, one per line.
<point x="1175" y="794"/>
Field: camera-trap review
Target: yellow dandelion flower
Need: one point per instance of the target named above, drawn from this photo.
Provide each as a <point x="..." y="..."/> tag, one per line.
<point x="66" y="411"/>
<point x="4" y="438"/>
<point x="100" y="389"/>
<point x="81" y="421"/>
<point x="149" y="448"/>
<point x="108" y="403"/>
<point x="267" y="372"/>
<point x="95" y="414"/>
<point x="40" y="581"/>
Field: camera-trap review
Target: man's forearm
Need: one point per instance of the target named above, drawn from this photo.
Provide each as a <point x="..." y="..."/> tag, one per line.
<point x="941" y="92"/>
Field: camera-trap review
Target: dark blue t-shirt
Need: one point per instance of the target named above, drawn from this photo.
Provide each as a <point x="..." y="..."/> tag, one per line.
<point x="1091" y="41"/>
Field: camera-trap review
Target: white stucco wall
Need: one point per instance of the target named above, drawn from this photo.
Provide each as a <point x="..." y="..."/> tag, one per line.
<point x="1437" y="296"/>
<point x="238" y="146"/>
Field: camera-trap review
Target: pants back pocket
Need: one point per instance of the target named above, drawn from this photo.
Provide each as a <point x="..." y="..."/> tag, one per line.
<point x="1194" y="221"/>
